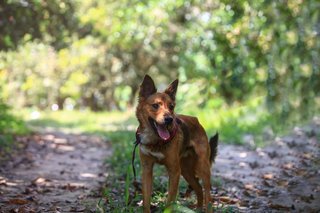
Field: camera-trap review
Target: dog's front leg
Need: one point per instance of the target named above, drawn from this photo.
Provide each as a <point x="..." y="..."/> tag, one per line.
<point x="147" y="176"/>
<point x="174" y="172"/>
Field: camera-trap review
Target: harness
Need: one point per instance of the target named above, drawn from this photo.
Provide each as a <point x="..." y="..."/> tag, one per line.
<point x="176" y="124"/>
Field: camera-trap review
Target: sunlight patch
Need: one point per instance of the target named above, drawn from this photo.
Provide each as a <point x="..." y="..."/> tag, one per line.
<point x="88" y="175"/>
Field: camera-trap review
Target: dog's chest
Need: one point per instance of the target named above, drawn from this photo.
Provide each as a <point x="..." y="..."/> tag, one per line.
<point x="145" y="150"/>
<point x="148" y="139"/>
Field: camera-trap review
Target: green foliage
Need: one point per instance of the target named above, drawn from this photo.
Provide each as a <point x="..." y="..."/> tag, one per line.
<point x="22" y="21"/>
<point x="93" y="54"/>
<point x="10" y="125"/>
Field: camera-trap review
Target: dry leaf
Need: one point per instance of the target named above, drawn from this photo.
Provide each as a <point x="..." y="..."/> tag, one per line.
<point x="70" y="187"/>
<point x="279" y="207"/>
<point x="307" y="155"/>
<point x="17" y="201"/>
<point x="287" y="166"/>
<point x="249" y="187"/>
<point x="282" y="183"/>
<point x="228" y="200"/>
<point x="38" y="180"/>
<point x="3" y="182"/>
<point x="268" y="176"/>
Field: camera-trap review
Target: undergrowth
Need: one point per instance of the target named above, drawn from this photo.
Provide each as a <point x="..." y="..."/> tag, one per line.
<point x="10" y="126"/>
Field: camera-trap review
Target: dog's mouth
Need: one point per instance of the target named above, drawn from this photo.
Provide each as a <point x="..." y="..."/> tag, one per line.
<point x="161" y="129"/>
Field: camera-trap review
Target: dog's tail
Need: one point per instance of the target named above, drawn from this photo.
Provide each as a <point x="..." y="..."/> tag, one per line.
<point x="213" y="142"/>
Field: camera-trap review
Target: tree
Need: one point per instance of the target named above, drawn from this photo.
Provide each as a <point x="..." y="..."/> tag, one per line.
<point x="22" y="21"/>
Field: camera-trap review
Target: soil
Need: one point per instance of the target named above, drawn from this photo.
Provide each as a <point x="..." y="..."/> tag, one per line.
<point x="54" y="172"/>
<point x="281" y="177"/>
<point x="58" y="172"/>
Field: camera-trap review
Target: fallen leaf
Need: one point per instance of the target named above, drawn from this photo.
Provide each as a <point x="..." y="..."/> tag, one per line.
<point x="300" y="172"/>
<point x="78" y="209"/>
<point x="38" y="180"/>
<point x="283" y="183"/>
<point x="287" y="166"/>
<point x="307" y="156"/>
<point x="3" y="182"/>
<point x="268" y="176"/>
<point x="307" y="199"/>
<point x="82" y="196"/>
<point x="70" y="187"/>
<point x="23" y="209"/>
<point x="279" y="207"/>
<point x="244" y="203"/>
<point x="17" y="201"/>
<point x="262" y="192"/>
<point x="249" y="187"/>
<point x="228" y="200"/>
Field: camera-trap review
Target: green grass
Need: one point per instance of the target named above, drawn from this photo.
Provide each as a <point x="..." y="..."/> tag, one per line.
<point x="10" y="126"/>
<point x="232" y="122"/>
<point x="80" y="121"/>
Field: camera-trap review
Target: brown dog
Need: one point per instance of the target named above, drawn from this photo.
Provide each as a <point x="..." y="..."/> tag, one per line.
<point x="178" y="142"/>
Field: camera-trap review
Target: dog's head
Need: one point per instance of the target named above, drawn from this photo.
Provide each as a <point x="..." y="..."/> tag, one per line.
<point x="155" y="110"/>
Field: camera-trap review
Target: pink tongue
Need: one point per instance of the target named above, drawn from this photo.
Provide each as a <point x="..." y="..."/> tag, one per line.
<point x="163" y="132"/>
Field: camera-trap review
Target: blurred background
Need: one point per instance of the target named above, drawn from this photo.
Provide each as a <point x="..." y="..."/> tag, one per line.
<point x="248" y="69"/>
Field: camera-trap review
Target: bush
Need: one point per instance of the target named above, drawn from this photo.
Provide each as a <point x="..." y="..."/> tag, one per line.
<point x="9" y="126"/>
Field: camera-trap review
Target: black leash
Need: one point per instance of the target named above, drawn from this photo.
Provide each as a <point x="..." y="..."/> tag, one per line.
<point x="136" y="143"/>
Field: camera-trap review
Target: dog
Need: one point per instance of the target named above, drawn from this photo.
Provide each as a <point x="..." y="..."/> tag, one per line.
<point x="178" y="142"/>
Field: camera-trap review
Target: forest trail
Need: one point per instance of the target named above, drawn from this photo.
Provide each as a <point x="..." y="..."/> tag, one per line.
<point x="55" y="172"/>
<point x="59" y="172"/>
<point x="283" y="176"/>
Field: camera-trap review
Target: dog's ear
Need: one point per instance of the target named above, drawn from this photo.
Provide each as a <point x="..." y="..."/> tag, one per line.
<point x="147" y="87"/>
<point x="172" y="89"/>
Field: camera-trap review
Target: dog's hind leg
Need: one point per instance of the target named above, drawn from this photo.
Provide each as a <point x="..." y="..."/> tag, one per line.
<point x="187" y="171"/>
<point x="203" y="170"/>
<point x="188" y="191"/>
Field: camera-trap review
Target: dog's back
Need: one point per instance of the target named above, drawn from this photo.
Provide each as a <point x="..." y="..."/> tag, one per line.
<point x="194" y="135"/>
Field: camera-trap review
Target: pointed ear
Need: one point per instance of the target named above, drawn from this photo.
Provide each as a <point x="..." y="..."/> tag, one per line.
<point x="172" y="89"/>
<point x="147" y="87"/>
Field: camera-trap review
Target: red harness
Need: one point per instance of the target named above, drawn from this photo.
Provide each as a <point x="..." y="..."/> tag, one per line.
<point x="161" y="141"/>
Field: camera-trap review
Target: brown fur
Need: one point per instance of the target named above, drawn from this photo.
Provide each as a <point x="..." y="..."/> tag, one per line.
<point x="188" y="153"/>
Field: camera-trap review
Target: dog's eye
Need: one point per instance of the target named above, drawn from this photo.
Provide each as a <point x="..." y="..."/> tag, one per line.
<point x="171" y="106"/>
<point x="155" y="106"/>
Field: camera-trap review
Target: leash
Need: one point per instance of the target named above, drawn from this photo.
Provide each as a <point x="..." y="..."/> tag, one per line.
<point x="136" y="143"/>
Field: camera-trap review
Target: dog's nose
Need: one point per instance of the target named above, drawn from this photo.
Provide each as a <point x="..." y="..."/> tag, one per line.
<point x="168" y="120"/>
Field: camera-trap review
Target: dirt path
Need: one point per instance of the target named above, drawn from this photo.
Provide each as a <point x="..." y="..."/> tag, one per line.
<point x="282" y="177"/>
<point x="60" y="172"/>
<point x="56" y="172"/>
